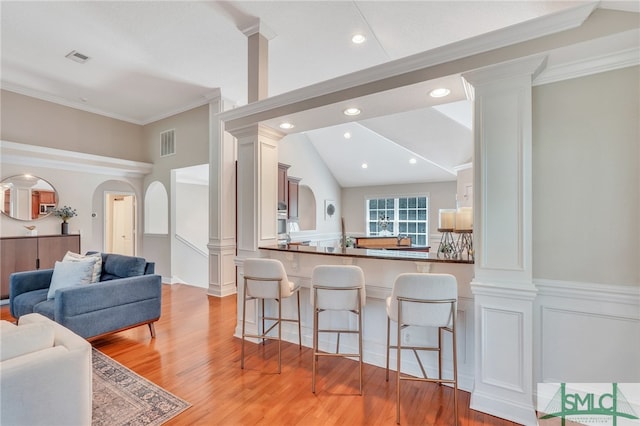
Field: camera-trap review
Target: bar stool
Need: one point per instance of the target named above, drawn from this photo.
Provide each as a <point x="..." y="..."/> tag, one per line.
<point x="337" y="288"/>
<point x="267" y="279"/>
<point x="423" y="300"/>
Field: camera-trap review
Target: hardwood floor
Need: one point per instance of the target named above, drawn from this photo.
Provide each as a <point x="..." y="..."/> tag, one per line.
<point x="196" y="357"/>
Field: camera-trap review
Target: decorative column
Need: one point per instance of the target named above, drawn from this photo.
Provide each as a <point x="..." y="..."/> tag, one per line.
<point x="503" y="287"/>
<point x="257" y="202"/>
<point x="222" y="204"/>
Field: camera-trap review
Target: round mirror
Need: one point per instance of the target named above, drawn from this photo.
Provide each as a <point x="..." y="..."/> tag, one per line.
<point x="27" y="197"/>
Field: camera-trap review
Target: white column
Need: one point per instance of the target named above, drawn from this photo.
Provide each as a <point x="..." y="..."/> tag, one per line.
<point x="503" y="288"/>
<point x="222" y="204"/>
<point x="257" y="201"/>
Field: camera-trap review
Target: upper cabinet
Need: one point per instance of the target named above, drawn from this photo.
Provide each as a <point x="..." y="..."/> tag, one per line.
<point x="293" y="185"/>
<point x="283" y="186"/>
<point x="288" y="192"/>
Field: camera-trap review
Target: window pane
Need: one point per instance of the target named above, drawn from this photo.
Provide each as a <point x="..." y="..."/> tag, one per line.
<point x="390" y="203"/>
<point x="373" y="204"/>
<point x="390" y="214"/>
<point x="412" y="203"/>
<point x="421" y="240"/>
<point x="373" y="215"/>
<point x="422" y="215"/>
<point x="403" y="203"/>
<point x="412" y="215"/>
<point x="381" y="204"/>
<point x="403" y="215"/>
<point x="412" y="228"/>
<point x="372" y="227"/>
<point x="422" y="227"/>
<point x="403" y="228"/>
<point x="422" y="202"/>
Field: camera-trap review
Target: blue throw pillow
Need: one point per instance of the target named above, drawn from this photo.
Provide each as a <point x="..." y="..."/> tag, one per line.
<point x="70" y="274"/>
<point x="121" y="266"/>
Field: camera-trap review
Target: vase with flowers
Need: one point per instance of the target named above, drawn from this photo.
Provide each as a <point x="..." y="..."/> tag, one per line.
<point x="383" y="225"/>
<point x="65" y="213"/>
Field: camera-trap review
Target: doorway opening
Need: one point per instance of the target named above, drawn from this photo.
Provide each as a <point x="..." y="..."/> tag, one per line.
<point x="120" y="223"/>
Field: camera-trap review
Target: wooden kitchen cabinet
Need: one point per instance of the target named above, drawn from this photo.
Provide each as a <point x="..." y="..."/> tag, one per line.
<point x="29" y="253"/>
<point x="293" y="184"/>
<point x="282" y="185"/>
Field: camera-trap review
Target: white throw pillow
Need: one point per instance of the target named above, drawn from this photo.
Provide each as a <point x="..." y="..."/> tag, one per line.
<point x="97" y="267"/>
<point x="70" y="274"/>
<point x="23" y="339"/>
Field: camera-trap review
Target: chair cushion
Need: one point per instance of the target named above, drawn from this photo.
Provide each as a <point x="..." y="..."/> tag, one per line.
<point x="25" y="339"/>
<point x="121" y="266"/>
<point x="70" y="274"/>
<point x="97" y="266"/>
<point x="24" y="303"/>
<point x="46" y="308"/>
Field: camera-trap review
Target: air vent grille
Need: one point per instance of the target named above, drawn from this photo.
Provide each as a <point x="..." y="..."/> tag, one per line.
<point x="168" y="143"/>
<point x="77" y="56"/>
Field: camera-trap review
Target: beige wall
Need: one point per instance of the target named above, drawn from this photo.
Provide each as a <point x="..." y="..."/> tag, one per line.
<point x="442" y="195"/>
<point x="35" y="122"/>
<point x="586" y="186"/>
<point x="192" y="148"/>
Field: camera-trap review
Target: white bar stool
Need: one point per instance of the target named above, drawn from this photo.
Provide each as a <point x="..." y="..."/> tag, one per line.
<point x="423" y="300"/>
<point x="267" y="279"/>
<point x="337" y="288"/>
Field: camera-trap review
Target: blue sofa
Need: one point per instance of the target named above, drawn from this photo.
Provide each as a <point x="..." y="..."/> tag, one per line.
<point x="128" y="294"/>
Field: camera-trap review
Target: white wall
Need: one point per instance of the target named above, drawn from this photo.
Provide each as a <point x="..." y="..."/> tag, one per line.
<point x="80" y="190"/>
<point x="192" y="214"/>
<point x="297" y="151"/>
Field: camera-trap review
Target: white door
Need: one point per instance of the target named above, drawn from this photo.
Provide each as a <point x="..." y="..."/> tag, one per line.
<point x="120" y="223"/>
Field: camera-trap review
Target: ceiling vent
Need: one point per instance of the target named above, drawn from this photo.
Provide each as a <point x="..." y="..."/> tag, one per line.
<point x="168" y="143"/>
<point x="77" y="57"/>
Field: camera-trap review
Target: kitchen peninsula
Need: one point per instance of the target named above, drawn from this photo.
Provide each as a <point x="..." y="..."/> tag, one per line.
<point x="381" y="267"/>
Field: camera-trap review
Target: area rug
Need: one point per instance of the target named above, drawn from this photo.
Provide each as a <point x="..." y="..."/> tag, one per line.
<point x="122" y="397"/>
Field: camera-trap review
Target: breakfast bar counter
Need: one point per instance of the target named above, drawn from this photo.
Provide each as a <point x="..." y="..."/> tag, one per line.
<point x="388" y="254"/>
<point x="380" y="267"/>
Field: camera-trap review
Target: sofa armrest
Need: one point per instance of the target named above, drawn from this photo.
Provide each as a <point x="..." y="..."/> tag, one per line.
<point x="75" y="301"/>
<point x="23" y="282"/>
<point x="48" y="386"/>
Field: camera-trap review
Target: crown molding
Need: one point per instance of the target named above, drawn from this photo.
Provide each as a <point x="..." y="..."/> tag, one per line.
<point x="594" y="65"/>
<point x="39" y="156"/>
<point x="202" y="100"/>
<point x="43" y="96"/>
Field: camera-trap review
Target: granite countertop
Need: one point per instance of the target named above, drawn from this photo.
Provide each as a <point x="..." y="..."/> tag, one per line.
<point x="415" y="256"/>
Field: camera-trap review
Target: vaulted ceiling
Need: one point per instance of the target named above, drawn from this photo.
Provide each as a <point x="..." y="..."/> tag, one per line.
<point x="151" y="59"/>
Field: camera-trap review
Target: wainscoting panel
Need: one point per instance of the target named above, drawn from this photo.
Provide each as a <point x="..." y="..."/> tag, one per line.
<point x="586" y="332"/>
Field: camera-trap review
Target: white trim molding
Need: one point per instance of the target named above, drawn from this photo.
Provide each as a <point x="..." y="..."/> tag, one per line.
<point x="586" y="332"/>
<point x="39" y="156"/>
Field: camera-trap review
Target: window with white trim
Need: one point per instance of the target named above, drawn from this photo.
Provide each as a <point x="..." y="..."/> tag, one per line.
<point x="406" y="216"/>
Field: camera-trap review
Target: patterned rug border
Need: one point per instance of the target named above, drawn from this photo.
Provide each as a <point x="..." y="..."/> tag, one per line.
<point x="123" y="397"/>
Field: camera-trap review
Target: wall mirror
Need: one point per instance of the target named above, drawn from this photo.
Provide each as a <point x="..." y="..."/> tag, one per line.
<point x="27" y="197"/>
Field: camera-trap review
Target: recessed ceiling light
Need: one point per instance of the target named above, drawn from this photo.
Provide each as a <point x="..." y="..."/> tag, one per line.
<point x="439" y="93"/>
<point x="364" y="165"/>
<point x="347" y="135"/>
<point x="358" y="39"/>
<point x="286" y="125"/>
<point x="351" y="111"/>
<point x="413" y="161"/>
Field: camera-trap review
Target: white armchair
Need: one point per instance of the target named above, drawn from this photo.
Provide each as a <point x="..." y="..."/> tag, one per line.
<point x="45" y="374"/>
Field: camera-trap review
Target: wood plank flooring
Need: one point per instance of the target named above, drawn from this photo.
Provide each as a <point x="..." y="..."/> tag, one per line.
<point x="196" y="357"/>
